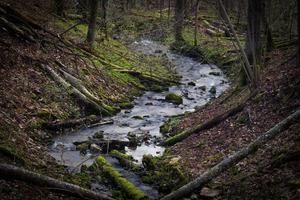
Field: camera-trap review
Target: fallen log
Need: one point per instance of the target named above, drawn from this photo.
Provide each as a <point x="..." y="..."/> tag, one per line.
<point x="88" y="103"/>
<point x="235" y="158"/>
<point x="88" y="121"/>
<point x="75" y="82"/>
<point x="206" y="125"/>
<point x="131" y="191"/>
<point x="10" y="172"/>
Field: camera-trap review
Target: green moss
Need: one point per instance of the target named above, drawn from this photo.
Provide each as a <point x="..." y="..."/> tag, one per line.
<point x="121" y="155"/>
<point x="37" y="123"/>
<point x="12" y="154"/>
<point x="127" y="187"/>
<point x="169" y="126"/>
<point x="176" y="138"/>
<point x="149" y="162"/>
<point x="162" y="174"/>
<point x="294" y="182"/>
<point x="82" y="179"/>
<point x="174" y="98"/>
<point x="126" y="105"/>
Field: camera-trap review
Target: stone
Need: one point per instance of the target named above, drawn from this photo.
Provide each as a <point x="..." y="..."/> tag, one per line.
<point x="174" y="98"/>
<point x="99" y="135"/>
<point x="213" y="90"/>
<point x="215" y="73"/>
<point x="209" y="193"/>
<point x="203" y="88"/>
<point x="138" y="117"/>
<point x="192" y="83"/>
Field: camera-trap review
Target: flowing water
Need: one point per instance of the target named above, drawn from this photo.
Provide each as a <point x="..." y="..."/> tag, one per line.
<point x="151" y="109"/>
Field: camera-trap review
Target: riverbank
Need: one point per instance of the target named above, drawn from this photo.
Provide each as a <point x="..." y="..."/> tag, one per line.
<point x="275" y="166"/>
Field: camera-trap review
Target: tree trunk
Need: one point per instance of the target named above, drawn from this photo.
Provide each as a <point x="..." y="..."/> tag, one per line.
<point x="234" y="159"/>
<point x="196" y="22"/>
<point x="15" y="173"/>
<point x="104" y="16"/>
<point x="59" y="7"/>
<point x="169" y="10"/>
<point x="247" y="70"/>
<point x="254" y="43"/>
<point x="179" y="15"/>
<point x="94" y="4"/>
<point x="298" y="7"/>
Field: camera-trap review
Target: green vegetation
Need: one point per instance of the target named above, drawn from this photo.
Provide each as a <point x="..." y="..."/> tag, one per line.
<point x="127" y="187"/>
<point x="164" y="174"/>
<point x="174" y="98"/>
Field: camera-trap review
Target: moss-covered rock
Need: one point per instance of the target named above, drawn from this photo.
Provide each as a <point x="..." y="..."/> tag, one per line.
<point x="174" y="98"/>
<point x="213" y="90"/>
<point x="164" y="173"/>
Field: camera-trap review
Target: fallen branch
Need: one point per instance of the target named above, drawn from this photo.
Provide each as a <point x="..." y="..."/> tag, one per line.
<point x="235" y="158"/>
<point x="11" y="172"/>
<point x="95" y="107"/>
<point x="206" y="125"/>
<point x="59" y="125"/>
<point x="247" y="67"/>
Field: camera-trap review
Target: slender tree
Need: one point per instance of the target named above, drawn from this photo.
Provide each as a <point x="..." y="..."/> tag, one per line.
<point x="104" y="16"/>
<point x="94" y="4"/>
<point x="298" y="8"/>
<point x="196" y="22"/>
<point x="179" y="15"/>
<point x="59" y="7"/>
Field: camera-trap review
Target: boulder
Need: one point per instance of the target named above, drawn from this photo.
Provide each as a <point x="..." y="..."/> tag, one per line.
<point x="174" y="98"/>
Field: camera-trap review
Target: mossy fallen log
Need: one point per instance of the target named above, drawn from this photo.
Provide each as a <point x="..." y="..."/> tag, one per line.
<point x="11" y="172"/>
<point x="125" y="160"/>
<point x="131" y="191"/>
<point x="88" y="103"/>
<point x="77" y="83"/>
<point x="206" y="125"/>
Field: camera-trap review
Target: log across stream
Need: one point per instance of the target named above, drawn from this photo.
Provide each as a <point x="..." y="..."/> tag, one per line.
<point x="150" y="110"/>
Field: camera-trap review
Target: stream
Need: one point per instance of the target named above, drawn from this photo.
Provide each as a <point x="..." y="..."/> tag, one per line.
<point x="150" y="111"/>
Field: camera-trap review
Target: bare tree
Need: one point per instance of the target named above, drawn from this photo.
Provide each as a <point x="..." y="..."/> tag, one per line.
<point x="179" y="15"/>
<point x="94" y="4"/>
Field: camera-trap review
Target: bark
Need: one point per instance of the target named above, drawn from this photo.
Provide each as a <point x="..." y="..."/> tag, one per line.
<point x="298" y="24"/>
<point x="169" y="10"/>
<point x="11" y="172"/>
<point x="196" y="22"/>
<point x="179" y="15"/>
<point x="104" y="16"/>
<point x="88" y="103"/>
<point x="94" y="4"/>
<point x="234" y="159"/>
<point x="254" y="42"/>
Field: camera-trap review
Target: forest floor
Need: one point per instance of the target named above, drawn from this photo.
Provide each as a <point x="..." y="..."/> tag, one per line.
<point x="29" y="98"/>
